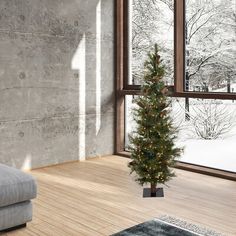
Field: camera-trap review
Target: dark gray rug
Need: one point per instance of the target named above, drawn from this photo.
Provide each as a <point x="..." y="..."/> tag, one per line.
<point x="167" y="226"/>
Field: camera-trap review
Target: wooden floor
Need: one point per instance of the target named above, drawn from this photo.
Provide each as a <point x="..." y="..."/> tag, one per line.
<point x="99" y="197"/>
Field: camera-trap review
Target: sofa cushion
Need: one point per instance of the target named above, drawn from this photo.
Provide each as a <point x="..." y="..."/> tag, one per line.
<point x="15" y="186"/>
<point x="15" y="215"/>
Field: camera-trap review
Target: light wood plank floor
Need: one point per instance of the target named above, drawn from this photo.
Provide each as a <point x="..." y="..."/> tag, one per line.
<point x="99" y="197"/>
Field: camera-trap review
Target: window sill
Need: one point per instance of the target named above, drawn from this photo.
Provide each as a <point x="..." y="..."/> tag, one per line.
<point x="196" y="168"/>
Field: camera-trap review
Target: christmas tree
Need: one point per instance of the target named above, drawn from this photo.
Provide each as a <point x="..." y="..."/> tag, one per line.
<point x="152" y="147"/>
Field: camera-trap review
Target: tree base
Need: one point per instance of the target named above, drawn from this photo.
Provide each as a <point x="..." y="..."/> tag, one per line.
<point x="147" y="192"/>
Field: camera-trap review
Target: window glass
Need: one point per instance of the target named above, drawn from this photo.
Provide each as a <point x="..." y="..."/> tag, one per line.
<point x="130" y="124"/>
<point x="150" y="22"/>
<point x="207" y="127"/>
<point x="208" y="132"/>
<point x="210" y="50"/>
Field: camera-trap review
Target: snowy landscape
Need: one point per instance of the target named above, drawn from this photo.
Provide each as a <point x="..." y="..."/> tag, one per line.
<point x="207" y="128"/>
<point x="216" y="149"/>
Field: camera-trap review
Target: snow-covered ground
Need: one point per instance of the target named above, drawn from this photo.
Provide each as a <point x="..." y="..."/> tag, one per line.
<point x="219" y="153"/>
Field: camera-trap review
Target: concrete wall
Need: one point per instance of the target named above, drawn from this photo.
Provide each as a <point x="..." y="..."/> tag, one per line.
<point x="56" y="81"/>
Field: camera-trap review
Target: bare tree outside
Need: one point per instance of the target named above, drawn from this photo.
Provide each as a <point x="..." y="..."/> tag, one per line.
<point x="210" y="45"/>
<point x="209" y="119"/>
<point x="151" y="22"/>
<point x="210" y="41"/>
<point x="212" y="119"/>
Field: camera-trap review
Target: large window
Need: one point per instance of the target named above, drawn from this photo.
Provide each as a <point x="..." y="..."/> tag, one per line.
<point x="197" y="40"/>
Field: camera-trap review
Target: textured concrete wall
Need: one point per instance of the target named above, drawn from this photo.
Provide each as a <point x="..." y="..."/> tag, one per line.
<point x="56" y="81"/>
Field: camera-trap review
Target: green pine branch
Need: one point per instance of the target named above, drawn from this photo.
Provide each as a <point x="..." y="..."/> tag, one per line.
<point x="152" y="144"/>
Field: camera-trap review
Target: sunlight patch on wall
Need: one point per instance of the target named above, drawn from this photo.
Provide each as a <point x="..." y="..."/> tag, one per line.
<point x="98" y="67"/>
<point x="79" y="63"/>
<point x="27" y="163"/>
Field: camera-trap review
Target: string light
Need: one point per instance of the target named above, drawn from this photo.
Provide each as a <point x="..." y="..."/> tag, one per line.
<point x="153" y="127"/>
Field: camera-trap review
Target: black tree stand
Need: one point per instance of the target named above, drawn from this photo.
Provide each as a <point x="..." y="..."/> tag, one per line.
<point x="153" y="191"/>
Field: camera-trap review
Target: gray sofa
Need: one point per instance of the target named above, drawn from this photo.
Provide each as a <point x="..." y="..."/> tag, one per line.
<point x="16" y="191"/>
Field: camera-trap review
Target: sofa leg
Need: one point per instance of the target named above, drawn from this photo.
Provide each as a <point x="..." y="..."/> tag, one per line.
<point x="14" y="228"/>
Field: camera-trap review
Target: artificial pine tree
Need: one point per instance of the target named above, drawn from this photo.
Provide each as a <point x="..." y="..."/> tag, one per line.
<point x="152" y="147"/>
